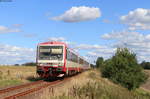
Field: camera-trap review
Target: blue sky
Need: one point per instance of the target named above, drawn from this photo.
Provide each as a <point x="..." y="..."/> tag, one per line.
<point x="24" y="23"/>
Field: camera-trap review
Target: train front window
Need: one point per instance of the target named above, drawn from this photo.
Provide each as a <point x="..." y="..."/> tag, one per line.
<point x="51" y="52"/>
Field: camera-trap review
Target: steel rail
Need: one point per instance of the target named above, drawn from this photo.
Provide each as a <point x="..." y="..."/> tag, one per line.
<point x="34" y="89"/>
<point x="2" y="91"/>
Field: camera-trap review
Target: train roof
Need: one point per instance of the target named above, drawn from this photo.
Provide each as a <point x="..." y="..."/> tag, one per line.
<point x="52" y="42"/>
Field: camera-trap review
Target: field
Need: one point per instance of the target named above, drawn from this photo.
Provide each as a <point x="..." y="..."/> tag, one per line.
<point x="87" y="85"/>
<point x="14" y="75"/>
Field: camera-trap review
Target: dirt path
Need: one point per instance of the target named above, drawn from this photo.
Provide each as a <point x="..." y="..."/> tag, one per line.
<point x="147" y="84"/>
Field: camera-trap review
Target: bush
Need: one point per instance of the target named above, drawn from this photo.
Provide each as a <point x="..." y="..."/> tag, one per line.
<point x="29" y="64"/>
<point x="145" y="65"/>
<point x="124" y="69"/>
<point x="99" y="62"/>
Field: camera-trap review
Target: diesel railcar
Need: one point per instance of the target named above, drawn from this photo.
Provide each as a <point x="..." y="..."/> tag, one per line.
<point x="55" y="59"/>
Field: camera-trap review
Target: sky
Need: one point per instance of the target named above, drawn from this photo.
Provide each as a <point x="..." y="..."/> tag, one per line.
<point x="94" y="28"/>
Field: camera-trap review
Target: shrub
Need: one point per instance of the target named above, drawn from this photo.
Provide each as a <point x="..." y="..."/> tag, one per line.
<point x="124" y="69"/>
<point x="29" y="64"/>
<point x="145" y="65"/>
<point x="99" y="62"/>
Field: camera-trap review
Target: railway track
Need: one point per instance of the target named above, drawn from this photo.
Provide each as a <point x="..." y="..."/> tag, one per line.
<point x="25" y="89"/>
<point x="2" y="91"/>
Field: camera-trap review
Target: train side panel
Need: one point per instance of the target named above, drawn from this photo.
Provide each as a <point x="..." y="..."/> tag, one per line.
<point x="72" y="67"/>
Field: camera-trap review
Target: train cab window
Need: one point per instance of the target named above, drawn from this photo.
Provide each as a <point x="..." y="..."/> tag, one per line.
<point x="50" y="52"/>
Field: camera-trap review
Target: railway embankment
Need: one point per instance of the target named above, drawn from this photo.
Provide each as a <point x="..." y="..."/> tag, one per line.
<point x="146" y="85"/>
<point x="90" y="85"/>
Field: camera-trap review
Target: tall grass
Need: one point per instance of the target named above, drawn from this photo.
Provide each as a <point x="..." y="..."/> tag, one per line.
<point x="96" y="88"/>
<point x="14" y="75"/>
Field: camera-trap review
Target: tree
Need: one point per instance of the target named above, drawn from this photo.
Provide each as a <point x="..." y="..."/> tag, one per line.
<point x="16" y="64"/>
<point x="145" y="65"/>
<point x="99" y="61"/>
<point x="124" y="69"/>
<point x="29" y="64"/>
<point x="92" y="65"/>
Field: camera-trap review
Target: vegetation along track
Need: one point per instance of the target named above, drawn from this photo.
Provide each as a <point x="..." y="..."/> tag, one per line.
<point x="25" y="89"/>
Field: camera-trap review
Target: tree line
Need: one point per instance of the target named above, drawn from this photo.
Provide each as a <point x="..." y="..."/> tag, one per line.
<point x="100" y="61"/>
<point x="145" y="65"/>
<point x="26" y="64"/>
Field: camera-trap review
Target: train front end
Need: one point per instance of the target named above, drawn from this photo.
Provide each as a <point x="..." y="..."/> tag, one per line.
<point x="51" y="59"/>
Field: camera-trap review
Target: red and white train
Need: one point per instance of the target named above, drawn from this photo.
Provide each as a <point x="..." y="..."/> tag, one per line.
<point x="55" y="59"/>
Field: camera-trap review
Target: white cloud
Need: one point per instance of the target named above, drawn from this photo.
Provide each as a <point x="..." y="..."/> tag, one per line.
<point x="77" y="14"/>
<point x="102" y="53"/>
<point x="62" y="39"/>
<point x="17" y="25"/>
<point x="106" y="21"/>
<point x="135" y="41"/>
<point x="12" y="54"/>
<point x="94" y="51"/>
<point x="106" y="53"/>
<point x="56" y="39"/>
<point x="88" y="47"/>
<point x="138" y="19"/>
<point x="4" y="29"/>
<point x="31" y="35"/>
<point x="123" y="35"/>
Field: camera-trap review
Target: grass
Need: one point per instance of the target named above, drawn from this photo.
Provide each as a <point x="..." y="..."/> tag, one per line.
<point x="5" y="83"/>
<point x="14" y="75"/>
<point x="90" y="85"/>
